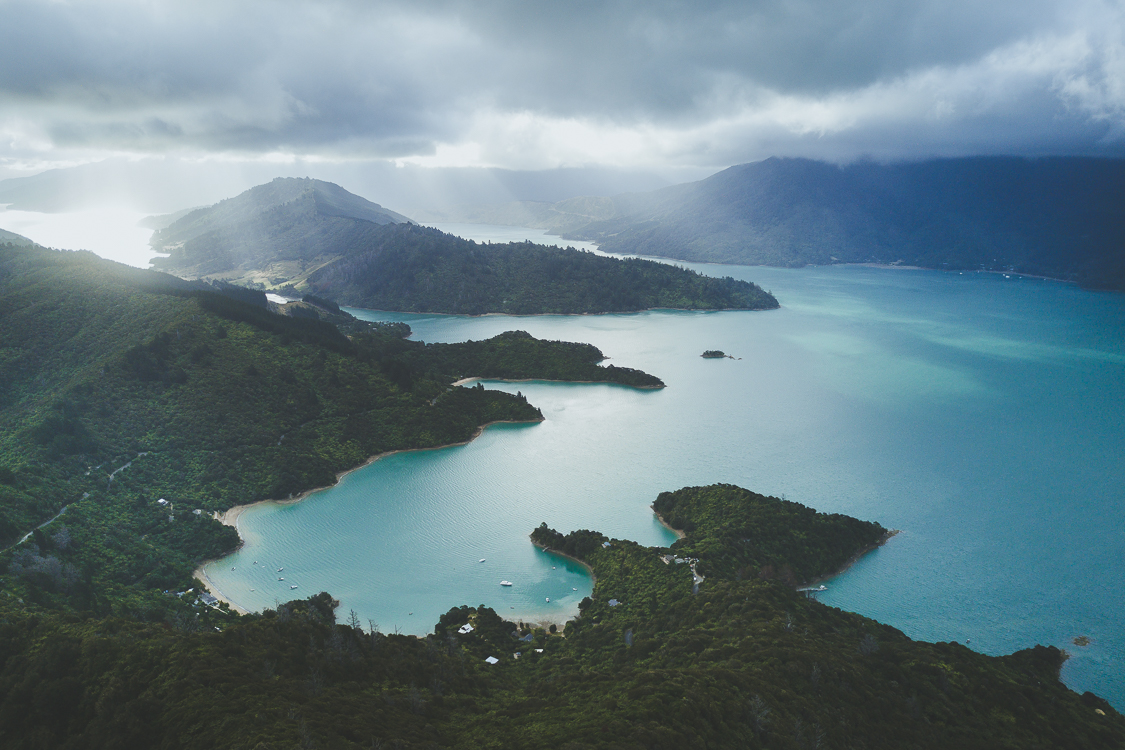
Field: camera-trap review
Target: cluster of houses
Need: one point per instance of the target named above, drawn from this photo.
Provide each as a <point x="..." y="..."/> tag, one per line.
<point x="529" y="638"/>
<point x="164" y="503"/>
<point x="204" y="597"/>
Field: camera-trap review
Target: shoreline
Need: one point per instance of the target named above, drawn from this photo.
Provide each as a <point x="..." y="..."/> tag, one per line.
<point x="566" y="315"/>
<point x="894" y="266"/>
<point x="819" y="579"/>
<point x="680" y="534"/>
<point x="201" y="575"/>
<point x="231" y="515"/>
<point x="561" y="623"/>
<point x="855" y="558"/>
<point x="585" y="565"/>
<point x="475" y="378"/>
<point x="668" y="259"/>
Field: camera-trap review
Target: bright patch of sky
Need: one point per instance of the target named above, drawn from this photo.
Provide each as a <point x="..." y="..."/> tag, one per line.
<point x="109" y="232"/>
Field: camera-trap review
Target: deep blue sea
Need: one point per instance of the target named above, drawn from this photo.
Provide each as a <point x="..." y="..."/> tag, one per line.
<point x="981" y="415"/>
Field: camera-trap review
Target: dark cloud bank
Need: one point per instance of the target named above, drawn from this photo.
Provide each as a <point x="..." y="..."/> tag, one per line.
<point x="530" y="85"/>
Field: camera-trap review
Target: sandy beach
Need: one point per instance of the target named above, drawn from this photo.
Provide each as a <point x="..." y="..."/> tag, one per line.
<point x="679" y="534"/>
<point x="585" y="565"/>
<point x="201" y="575"/>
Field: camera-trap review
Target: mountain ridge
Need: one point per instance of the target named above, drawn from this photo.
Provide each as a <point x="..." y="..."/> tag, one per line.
<point x="297" y="236"/>
<point x="273" y="230"/>
<point x="1053" y="216"/>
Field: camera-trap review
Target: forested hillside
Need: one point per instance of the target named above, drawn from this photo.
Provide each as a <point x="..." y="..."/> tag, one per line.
<point x="277" y="231"/>
<point x="418" y="269"/>
<point x="743" y="662"/>
<point x="119" y="387"/>
<point x="133" y="404"/>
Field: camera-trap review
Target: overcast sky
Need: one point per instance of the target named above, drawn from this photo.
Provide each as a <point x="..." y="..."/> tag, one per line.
<point x="641" y="84"/>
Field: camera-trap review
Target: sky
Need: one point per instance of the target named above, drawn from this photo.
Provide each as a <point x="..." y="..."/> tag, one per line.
<point x="669" y="87"/>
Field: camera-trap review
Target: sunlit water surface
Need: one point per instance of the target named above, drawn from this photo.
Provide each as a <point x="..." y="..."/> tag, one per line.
<point x="111" y="233"/>
<point x="981" y="415"/>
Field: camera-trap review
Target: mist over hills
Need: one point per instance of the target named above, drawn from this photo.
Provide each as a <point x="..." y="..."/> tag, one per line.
<point x="13" y="238"/>
<point x="1057" y="217"/>
<point x="298" y="236"/>
<point x="163" y="185"/>
<point x="277" y="230"/>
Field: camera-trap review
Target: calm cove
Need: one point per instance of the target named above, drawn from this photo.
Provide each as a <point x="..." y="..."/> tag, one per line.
<point x="980" y="414"/>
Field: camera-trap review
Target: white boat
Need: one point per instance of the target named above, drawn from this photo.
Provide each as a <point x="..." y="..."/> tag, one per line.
<point x="505" y="583"/>
<point x="293" y="587"/>
<point x="281" y="579"/>
<point x="548" y="600"/>
<point x="280" y="569"/>
<point x="481" y="560"/>
<point x="574" y="589"/>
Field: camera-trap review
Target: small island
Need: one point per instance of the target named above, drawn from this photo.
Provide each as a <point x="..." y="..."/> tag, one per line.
<point x="717" y="354"/>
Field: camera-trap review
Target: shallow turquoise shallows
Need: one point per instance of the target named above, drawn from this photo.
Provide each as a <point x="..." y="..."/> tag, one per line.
<point x="984" y="416"/>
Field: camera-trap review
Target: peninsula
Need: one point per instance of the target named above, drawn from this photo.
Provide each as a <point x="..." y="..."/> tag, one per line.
<point x="307" y="236"/>
<point x="657" y="658"/>
<point x="121" y="387"/>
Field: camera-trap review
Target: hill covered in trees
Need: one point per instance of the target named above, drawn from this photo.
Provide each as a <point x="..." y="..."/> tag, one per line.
<point x="13" y="238"/>
<point x="279" y="230"/>
<point x="417" y="269"/>
<point x="1056" y="217"/>
<point x="742" y="660"/>
<point x="300" y="236"/>
<point x="120" y="387"/>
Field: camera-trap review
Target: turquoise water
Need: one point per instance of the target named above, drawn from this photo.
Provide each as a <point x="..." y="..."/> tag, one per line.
<point x="981" y="415"/>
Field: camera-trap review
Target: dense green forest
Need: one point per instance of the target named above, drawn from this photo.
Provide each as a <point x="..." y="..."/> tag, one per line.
<point x="1057" y="217"/>
<point x="120" y="387"/>
<point x="737" y="533"/>
<point x="418" y="269"/>
<point x="517" y="355"/>
<point x="310" y="236"/>
<point x="744" y="661"/>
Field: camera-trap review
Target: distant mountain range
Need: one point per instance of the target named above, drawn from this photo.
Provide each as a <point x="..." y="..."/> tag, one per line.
<point x="296" y="236"/>
<point x="1057" y="217"/>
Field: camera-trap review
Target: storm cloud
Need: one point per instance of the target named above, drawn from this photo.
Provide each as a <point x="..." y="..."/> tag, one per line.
<point x="538" y="85"/>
